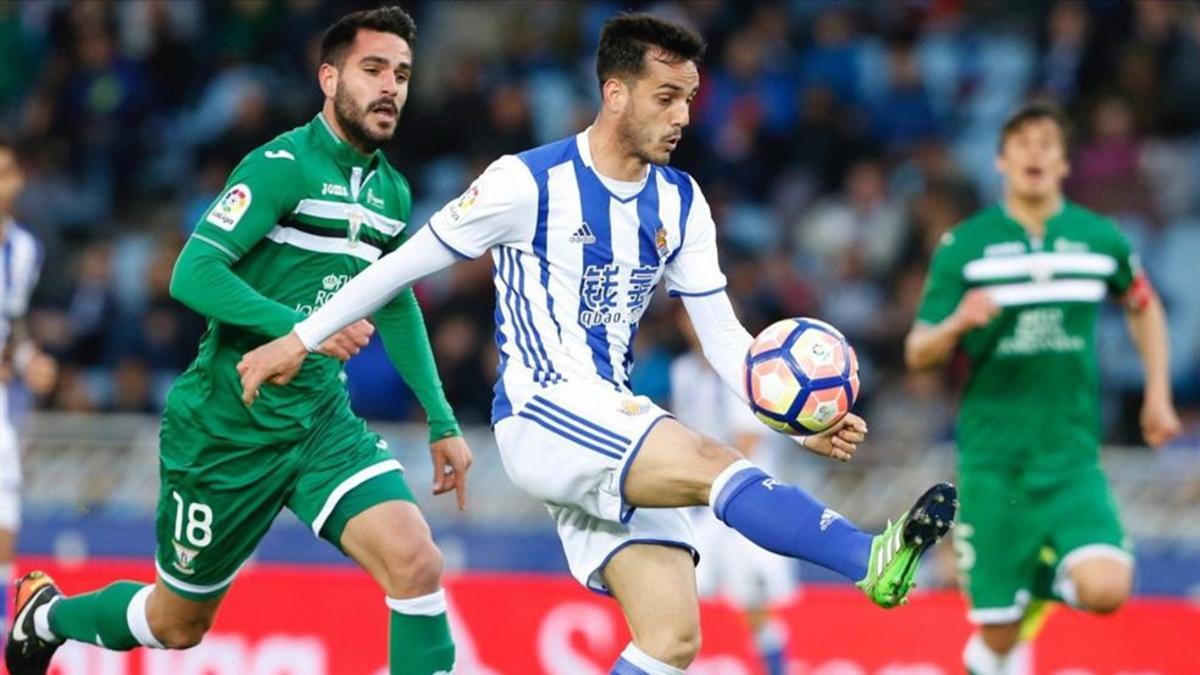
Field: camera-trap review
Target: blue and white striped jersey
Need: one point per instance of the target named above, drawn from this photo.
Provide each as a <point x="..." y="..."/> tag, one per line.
<point x="20" y="265"/>
<point x="577" y="257"/>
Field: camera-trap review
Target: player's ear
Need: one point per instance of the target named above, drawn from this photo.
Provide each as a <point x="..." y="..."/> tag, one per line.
<point x="327" y="75"/>
<point x="614" y="95"/>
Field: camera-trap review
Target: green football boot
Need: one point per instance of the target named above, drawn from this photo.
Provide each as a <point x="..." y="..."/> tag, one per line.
<point x="896" y="552"/>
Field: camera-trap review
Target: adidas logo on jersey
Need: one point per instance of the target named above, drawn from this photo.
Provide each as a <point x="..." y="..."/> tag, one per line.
<point x="583" y="235"/>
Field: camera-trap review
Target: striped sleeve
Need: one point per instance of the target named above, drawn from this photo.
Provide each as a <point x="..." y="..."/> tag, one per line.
<point x="695" y="270"/>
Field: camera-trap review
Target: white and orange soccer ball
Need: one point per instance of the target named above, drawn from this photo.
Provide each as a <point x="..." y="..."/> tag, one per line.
<point x="801" y="376"/>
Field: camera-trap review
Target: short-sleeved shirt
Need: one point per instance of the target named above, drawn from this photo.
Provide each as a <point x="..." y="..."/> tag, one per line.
<point x="299" y="216"/>
<point x="1032" y="397"/>
<point x="577" y="257"/>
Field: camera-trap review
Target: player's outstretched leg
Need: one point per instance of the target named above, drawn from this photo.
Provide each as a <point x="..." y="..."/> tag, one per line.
<point x="678" y="467"/>
<point x="393" y="543"/>
<point x="27" y="652"/>
<point x="121" y="616"/>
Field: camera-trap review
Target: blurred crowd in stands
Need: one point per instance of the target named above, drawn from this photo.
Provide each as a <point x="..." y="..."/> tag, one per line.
<point x="836" y="142"/>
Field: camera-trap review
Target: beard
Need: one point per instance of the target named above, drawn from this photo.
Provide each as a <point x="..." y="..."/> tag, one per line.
<point x="638" y="140"/>
<point x="352" y="120"/>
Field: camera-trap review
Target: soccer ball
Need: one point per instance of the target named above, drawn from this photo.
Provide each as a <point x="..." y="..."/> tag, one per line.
<point x="801" y="376"/>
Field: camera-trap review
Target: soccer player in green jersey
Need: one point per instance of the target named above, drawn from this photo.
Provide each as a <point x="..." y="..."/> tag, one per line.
<point x="1019" y="286"/>
<point x="300" y="215"/>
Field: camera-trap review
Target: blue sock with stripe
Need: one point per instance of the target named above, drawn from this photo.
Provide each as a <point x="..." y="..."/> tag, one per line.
<point x="786" y="520"/>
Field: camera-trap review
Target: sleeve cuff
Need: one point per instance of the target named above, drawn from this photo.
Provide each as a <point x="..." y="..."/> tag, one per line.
<point x="305" y="333"/>
<point x="440" y="431"/>
<point x="699" y="294"/>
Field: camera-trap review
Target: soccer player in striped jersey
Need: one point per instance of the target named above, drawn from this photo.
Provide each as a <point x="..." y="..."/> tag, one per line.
<point x="1019" y="286"/>
<point x="581" y="231"/>
<point x="20" y="358"/>
<point x="299" y="216"/>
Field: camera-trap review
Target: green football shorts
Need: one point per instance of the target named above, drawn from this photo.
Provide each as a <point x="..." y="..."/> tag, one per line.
<point x="1018" y="529"/>
<point x="219" y="497"/>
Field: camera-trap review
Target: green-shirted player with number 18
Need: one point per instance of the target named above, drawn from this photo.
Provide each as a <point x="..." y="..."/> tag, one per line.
<point x="299" y="216"/>
<point x="1019" y="285"/>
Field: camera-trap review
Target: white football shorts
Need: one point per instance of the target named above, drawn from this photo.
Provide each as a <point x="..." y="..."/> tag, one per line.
<point x="570" y="446"/>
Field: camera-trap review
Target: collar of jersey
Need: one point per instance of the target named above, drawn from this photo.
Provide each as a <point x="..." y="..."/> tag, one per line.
<point x="585" y="156"/>
<point x="342" y="151"/>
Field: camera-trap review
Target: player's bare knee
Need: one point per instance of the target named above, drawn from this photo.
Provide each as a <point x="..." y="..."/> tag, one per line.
<point x="674" y="645"/>
<point x="718" y="456"/>
<point x="1001" y="638"/>
<point x="182" y="632"/>
<point x="413" y="568"/>
<point x="1102" y="586"/>
<point x="1104" y="596"/>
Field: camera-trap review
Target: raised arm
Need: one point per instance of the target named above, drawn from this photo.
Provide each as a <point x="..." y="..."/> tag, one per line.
<point x="499" y="208"/>
<point x="259" y="192"/>
<point x="947" y="311"/>
<point x="375" y="287"/>
<point x="723" y="339"/>
<point x="695" y="276"/>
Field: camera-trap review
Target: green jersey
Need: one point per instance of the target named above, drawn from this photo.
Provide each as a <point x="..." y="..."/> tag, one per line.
<point x="1033" y="394"/>
<point x="299" y="217"/>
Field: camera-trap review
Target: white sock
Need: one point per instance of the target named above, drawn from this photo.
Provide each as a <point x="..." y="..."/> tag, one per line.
<point x="648" y="663"/>
<point x="981" y="660"/>
<point x="139" y="623"/>
<point x="425" y="605"/>
<point x="723" y="478"/>
<point x="41" y="622"/>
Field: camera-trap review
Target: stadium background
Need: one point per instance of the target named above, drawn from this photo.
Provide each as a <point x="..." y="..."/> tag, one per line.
<point x="836" y="142"/>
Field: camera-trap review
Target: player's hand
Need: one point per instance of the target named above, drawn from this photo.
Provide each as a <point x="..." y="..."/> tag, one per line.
<point x="41" y="373"/>
<point x="275" y="362"/>
<point x="975" y="309"/>
<point x="349" y="341"/>
<point x="1160" y="422"/>
<point x="839" y="441"/>
<point x="451" y="460"/>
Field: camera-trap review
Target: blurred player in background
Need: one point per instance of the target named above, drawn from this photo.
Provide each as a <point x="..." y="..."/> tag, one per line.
<point x="20" y="358"/>
<point x="580" y="232"/>
<point x="731" y="566"/>
<point x="1019" y="286"/>
<point x="299" y="216"/>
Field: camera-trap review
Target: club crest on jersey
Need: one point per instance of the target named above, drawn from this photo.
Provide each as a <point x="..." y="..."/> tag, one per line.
<point x="660" y="242"/>
<point x="354" y="223"/>
<point x="233" y="205"/>
<point x="184" y="557"/>
<point x="583" y="235"/>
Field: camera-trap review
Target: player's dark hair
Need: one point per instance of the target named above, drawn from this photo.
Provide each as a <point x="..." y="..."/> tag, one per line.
<point x="340" y="35"/>
<point x="1037" y="109"/>
<point x="626" y="37"/>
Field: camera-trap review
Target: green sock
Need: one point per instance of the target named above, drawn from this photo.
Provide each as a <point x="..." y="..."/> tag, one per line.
<point x="419" y="641"/>
<point x="98" y="618"/>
